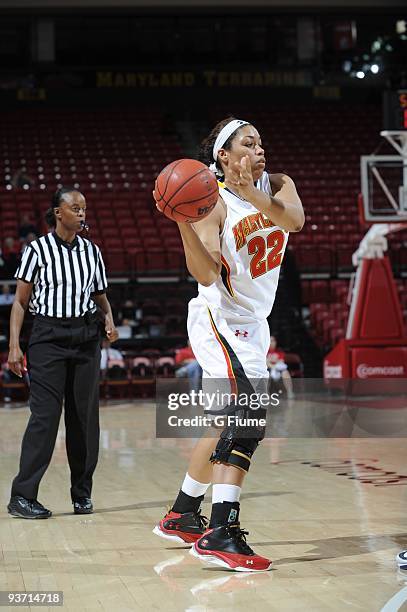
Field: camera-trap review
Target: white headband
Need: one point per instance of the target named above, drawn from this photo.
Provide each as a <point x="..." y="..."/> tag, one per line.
<point x="225" y="133"/>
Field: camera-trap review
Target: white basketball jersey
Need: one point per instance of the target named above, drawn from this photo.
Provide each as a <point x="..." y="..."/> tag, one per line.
<point x="252" y="250"/>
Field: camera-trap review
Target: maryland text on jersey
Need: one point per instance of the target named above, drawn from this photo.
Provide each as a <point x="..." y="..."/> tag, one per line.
<point x="248" y="225"/>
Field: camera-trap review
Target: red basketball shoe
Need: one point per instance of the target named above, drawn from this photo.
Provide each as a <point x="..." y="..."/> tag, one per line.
<point x="226" y="546"/>
<point x="185" y="528"/>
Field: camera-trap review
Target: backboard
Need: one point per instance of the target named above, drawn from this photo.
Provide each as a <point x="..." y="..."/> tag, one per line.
<point x="384" y="182"/>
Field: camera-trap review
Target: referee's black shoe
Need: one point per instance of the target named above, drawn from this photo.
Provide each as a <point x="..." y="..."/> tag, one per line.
<point x="27" y="508"/>
<point x="82" y="505"/>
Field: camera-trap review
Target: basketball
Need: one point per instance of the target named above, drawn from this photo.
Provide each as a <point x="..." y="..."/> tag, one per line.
<point x="186" y="190"/>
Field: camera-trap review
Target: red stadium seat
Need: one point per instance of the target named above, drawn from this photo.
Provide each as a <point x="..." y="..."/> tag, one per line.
<point x="115" y="155"/>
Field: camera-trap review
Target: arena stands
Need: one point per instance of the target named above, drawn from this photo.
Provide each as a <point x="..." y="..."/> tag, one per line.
<point x="114" y="155"/>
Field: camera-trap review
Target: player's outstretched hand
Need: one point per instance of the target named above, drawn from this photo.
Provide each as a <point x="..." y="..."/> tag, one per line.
<point x="242" y="177"/>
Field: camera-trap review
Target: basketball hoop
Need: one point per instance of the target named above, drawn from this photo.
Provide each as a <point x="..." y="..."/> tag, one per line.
<point x="384" y="182"/>
<point x="375" y="333"/>
<point x="383" y="205"/>
<point x="383" y="201"/>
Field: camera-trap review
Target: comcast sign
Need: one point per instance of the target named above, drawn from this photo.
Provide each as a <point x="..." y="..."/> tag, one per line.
<point x="365" y="371"/>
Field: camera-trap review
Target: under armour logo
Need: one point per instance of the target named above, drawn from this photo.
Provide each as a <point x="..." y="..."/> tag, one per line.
<point x="249" y="562"/>
<point x="243" y="333"/>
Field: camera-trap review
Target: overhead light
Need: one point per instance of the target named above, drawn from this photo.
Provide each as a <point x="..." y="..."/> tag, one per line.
<point x="376" y="46"/>
<point x="360" y="74"/>
<point x="401" y="27"/>
<point x="374" y="68"/>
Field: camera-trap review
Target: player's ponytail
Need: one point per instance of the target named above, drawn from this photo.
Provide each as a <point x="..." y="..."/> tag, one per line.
<point x="205" y="154"/>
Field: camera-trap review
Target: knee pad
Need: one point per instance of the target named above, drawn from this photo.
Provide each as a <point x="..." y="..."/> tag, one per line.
<point x="236" y="446"/>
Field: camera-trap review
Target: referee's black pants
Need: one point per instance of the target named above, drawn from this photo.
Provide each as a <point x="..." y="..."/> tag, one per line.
<point x="63" y="363"/>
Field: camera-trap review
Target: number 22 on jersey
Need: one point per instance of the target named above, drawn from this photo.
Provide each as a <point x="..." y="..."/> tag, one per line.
<point x="267" y="252"/>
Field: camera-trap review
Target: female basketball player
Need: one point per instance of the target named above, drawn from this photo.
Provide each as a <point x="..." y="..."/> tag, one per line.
<point x="235" y="255"/>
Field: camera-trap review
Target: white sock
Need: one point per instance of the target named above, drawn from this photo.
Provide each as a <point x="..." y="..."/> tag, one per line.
<point x="193" y="487"/>
<point x="225" y="492"/>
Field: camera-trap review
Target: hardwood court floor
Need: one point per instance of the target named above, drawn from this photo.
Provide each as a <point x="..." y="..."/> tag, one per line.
<point x="333" y="539"/>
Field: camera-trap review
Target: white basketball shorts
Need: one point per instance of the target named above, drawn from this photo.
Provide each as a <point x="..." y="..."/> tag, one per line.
<point x="227" y="346"/>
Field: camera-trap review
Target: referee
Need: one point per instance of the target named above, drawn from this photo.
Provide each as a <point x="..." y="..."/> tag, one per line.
<point x="62" y="280"/>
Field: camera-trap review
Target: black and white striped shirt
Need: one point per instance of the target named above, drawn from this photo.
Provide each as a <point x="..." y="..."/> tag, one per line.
<point x="65" y="276"/>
